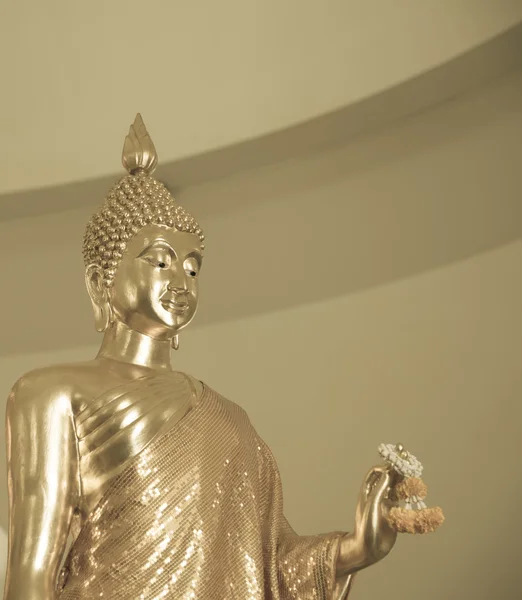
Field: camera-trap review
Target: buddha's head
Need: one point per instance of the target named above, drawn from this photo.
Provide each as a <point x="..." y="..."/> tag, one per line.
<point x="142" y="251"/>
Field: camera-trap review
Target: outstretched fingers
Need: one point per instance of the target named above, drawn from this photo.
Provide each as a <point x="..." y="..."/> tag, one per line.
<point x="377" y="483"/>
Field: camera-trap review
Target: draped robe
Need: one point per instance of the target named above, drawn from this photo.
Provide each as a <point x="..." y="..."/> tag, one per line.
<point x="198" y="514"/>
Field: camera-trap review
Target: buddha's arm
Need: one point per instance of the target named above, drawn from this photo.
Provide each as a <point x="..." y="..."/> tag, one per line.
<point x="42" y="485"/>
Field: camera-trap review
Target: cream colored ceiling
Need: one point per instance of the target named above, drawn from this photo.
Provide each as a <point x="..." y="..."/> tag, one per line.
<point x="461" y="75"/>
<point x="427" y="191"/>
<point x="206" y="75"/>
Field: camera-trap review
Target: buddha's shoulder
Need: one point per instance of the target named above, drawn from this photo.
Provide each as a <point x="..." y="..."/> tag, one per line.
<point x="63" y="381"/>
<point x="80" y="382"/>
<point x="229" y="408"/>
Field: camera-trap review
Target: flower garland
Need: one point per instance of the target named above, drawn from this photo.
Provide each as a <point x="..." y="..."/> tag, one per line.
<point x="414" y="516"/>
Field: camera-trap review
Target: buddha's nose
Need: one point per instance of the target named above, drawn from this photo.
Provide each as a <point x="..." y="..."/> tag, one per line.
<point x="177" y="289"/>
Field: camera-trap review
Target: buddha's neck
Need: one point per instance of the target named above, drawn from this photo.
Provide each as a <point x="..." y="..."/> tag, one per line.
<point x="126" y="345"/>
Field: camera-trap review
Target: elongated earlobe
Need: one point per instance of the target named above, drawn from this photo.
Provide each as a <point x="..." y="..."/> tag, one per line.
<point x="98" y="293"/>
<point x="174" y="342"/>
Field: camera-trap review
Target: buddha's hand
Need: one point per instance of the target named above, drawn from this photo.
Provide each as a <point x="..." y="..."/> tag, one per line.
<point x="372" y="538"/>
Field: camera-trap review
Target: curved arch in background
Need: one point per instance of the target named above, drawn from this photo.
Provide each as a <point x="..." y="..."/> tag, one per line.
<point x="231" y="85"/>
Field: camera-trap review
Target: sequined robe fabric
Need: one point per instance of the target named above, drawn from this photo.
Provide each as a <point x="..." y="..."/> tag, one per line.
<point x="198" y="515"/>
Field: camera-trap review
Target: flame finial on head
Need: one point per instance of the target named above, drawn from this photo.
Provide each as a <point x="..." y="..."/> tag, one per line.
<point x="139" y="153"/>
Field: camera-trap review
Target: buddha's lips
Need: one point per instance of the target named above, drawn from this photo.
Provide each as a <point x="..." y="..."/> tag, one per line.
<point x="173" y="306"/>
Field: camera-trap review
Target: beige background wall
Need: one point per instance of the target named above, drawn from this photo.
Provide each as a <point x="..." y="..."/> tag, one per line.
<point x="367" y="293"/>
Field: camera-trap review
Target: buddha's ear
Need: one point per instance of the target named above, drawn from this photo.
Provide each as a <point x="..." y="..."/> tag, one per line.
<point x="99" y="296"/>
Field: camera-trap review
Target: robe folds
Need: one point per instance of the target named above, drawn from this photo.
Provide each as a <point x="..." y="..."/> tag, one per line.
<point x="198" y="514"/>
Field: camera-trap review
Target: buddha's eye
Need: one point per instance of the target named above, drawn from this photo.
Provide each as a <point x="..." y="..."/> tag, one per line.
<point x="191" y="267"/>
<point x="161" y="264"/>
<point x="158" y="258"/>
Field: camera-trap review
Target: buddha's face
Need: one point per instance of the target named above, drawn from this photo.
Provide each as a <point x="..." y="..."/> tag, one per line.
<point x="155" y="289"/>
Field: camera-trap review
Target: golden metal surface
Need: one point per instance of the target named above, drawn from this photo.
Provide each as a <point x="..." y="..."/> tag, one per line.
<point x="188" y="520"/>
<point x="401" y="451"/>
<point x="78" y="435"/>
<point x="139" y="152"/>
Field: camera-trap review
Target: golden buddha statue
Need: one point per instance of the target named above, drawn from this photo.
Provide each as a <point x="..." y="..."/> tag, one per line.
<point x="129" y="480"/>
